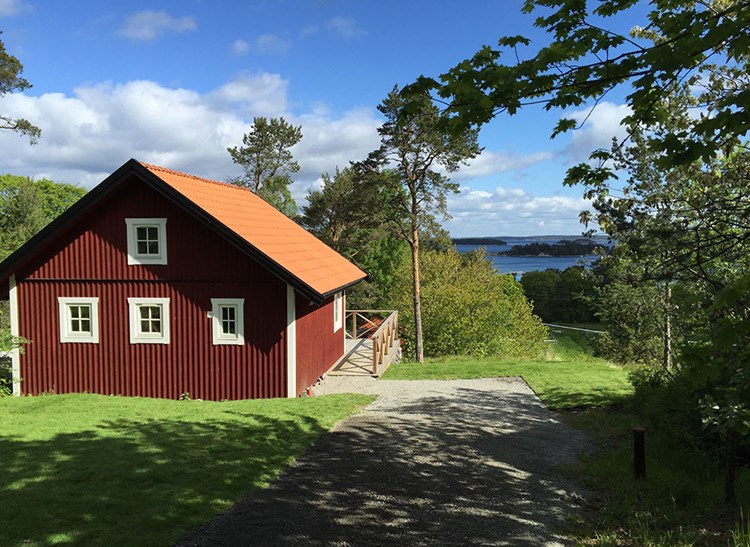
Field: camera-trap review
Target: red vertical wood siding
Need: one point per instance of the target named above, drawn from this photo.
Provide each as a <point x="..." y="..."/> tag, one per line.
<point x="92" y="261"/>
<point x="318" y="346"/>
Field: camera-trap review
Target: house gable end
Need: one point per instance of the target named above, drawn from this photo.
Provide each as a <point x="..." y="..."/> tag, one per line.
<point x="31" y="253"/>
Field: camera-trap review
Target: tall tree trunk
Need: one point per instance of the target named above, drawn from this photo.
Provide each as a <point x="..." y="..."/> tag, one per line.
<point x="417" y="289"/>
<point x="730" y="469"/>
<point x="667" y="360"/>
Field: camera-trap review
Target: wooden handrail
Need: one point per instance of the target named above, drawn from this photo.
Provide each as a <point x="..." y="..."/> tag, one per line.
<point x="384" y="337"/>
<point x="354" y="314"/>
<point x="383" y="340"/>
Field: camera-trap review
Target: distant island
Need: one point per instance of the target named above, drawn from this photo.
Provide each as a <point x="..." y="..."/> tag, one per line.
<point x="576" y="247"/>
<point x="478" y="241"/>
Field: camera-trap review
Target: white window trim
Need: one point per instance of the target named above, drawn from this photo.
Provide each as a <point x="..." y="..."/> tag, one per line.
<point x="67" y="336"/>
<point x="338" y="302"/>
<point x="291" y="342"/>
<point x="135" y="335"/>
<point x="219" y="338"/>
<point x="133" y="257"/>
<point x="15" y="353"/>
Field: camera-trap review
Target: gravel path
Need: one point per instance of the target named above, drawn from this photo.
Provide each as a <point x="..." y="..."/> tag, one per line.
<point x="455" y="462"/>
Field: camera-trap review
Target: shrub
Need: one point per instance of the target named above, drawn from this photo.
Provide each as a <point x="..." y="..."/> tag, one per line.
<point x="6" y="377"/>
<point x="669" y="402"/>
<point x="467" y="308"/>
<point x="634" y="319"/>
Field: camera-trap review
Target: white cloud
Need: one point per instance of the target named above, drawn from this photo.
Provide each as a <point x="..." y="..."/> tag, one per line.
<point x="149" y="25"/>
<point x="88" y="135"/>
<point x="328" y="143"/>
<point x="512" y="211"/>
<point x="262" y="94"/>
<point x="240" y="47"/>
<point x="13" y="7"/>
<point x="265" y="44"/>
<point x="492" y="163"/>
<point x="599" y="126"/>
<point x="271" y="44"/>
<point x="346" y="27"/>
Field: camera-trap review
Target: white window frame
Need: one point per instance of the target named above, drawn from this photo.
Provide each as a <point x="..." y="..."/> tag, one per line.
<point x="219" y="338"/>
<point x="138" y="337"/>
<point x="132" y="225"/>
<point x="66" y="334"/>
<point x="338" y="306"/>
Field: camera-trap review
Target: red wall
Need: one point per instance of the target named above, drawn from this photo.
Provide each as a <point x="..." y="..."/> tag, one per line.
<point x="92" y="261"/>
<point x="318" y="346"/>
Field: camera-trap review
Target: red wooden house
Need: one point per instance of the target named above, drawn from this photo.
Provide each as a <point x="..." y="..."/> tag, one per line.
<point x="159" y="284"/>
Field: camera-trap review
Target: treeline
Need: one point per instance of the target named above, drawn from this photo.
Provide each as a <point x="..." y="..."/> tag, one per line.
<point x="478" y="241"/>
<point x="567" y="296"/>
<point x="467" y="307"/>
<point x="26" y="206"/>
<point x="578" y="247"/>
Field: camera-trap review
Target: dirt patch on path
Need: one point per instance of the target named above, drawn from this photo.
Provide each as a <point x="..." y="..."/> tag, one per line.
<point x="429" y="463"/>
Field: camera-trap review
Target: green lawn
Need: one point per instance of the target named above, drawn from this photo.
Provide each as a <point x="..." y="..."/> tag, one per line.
<point x="568" y="377"/>
<point x="89" y="469"/>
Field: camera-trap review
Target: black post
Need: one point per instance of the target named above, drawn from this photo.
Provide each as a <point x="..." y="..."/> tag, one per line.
<point x="639" y="453"/>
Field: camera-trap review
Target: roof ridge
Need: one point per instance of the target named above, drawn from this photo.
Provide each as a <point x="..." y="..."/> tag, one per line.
<point x="152" y="167"/>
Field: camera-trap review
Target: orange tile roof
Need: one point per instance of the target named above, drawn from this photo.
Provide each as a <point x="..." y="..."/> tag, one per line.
<point x="272" y="233"/>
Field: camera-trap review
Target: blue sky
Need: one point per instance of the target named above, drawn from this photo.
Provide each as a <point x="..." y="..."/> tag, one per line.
<point x="175" y="83"/>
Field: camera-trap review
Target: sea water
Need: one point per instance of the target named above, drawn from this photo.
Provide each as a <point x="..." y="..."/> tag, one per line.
<point x="519" y="265"/>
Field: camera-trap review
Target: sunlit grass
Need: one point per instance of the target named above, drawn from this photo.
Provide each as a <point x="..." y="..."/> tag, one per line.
<point x="567" y="377"/>
<point x="89" y="469"/>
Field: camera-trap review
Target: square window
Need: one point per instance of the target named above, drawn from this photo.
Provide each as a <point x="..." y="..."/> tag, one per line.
<point x="147" y="240"/>
<point x="149" y="320"/>
<point x="227" y="318"/>
<point x="79" y="319"/>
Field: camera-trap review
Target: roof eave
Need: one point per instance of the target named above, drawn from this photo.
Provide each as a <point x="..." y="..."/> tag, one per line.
<point x="26" y="252"/>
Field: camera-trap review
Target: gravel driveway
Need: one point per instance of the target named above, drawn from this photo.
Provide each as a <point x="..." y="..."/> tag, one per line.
<point x="455" y="462"/>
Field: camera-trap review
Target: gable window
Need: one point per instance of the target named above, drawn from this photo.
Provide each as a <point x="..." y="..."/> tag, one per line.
<point x="147" y="240"/>
<point x="79" y="319"/>
<point x="227" y="318"/>
<point x="338" y="311"/>
<point x="149" y="320"/>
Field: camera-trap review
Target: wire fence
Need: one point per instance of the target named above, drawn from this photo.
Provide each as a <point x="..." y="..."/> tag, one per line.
<point x="551" y="325"/>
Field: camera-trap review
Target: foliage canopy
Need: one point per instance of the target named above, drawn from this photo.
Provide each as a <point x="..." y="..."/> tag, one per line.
<point x="11" y="81"/>
<point x="268" y="162"/>
<point x="587" y="58"/>
<point x="469" y="309"/>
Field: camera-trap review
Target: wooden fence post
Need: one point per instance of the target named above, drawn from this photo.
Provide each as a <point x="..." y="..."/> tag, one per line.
<point x="639" y="453"/>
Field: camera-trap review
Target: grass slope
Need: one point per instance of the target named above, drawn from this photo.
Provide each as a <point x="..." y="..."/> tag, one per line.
<point x="89" y="469"/>
<point x="680" y="503"/>
<point x="568" y="377"/>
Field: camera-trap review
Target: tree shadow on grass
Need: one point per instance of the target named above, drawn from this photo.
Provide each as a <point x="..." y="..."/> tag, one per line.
<point x="477" y="467"/>
<point x="139" y="483"/>
<point x="562" y="399"/>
